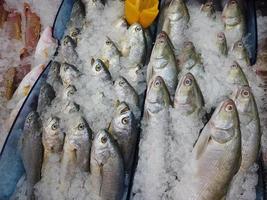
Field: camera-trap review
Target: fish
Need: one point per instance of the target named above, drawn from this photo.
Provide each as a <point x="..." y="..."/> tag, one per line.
<point x="94" y="4"/>
<point x="126" y="93"/>
<point x="3" y="14"/>
<point x="77" y="16"/>
<point x="149" y="43"/>
<point x="236" y="75"/>
<point x="110" y="54"/>
<point x="27" y="83"/>
<point x="53" y="137"/>
<point x="208" y="9"/>
<point x="233" y="18"/>
<point x="100" y="70"/>
<point x="32" y="28"/>
<point x="45" y="47"/>
<point x="76" y="150"/>
<point x="70" y="107"/>
<point x="45" y="98"/>
<point x="68" y="51"/>
<point x="54" y="74"/>
<point x="250" y="126"/>
<point x="163" y="63"/>
<point x="123" y="128"/>
<point x="217" y="153"/>
<point x="69" y="74"/>
<point x="32" y="151"/>
<point x="176" y="17"/>
<point x="13" y="25"/>
<point x="241" y="53"/>
<point x="222" y="44"/>
<point x="157" y="97"/>
<point x="74" y="33"/>
<point x="134" y="44"/>
<point x="107" y="169"/>
<point x="69" y="91"/>
<point x="188" y="96"/>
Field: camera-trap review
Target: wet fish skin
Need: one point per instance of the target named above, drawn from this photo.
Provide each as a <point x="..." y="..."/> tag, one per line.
<point x="134" y="45"/>
<point x="74" y="33"/>
<point x="32" y="151"/>
<point x="157" y="97"/>
<point x="222" y="44"/>
<point x="163" y="63"/>
<point x="188" y="96"/>
<point x="123" y="128"/>
<point x="110" y="54"/>
<point x="46" y="95"/>
<point x="217" y="153"/>
<point x="241" y="53"/>
<point x="107" y="170"/>
<point x="69" y="74"/>
<point x="69" y="91"/>
<point x="208" y="9"/>
<point x="53" y="137"/>
<point x="77" y="15"/>
<point x="54" y="73"/>
<point x="233" y="17"/>
<point x="100" y="70"/>
<point x="175" y="14"/>
<point x="125" y="92"/>
<point x="250" y="126"/>
<point x="236" y="75"/>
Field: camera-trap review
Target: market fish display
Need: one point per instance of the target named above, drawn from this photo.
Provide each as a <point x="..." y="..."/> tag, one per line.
<point x="107" y="167"/>
<point x="240" y="52"/>
<point x="217" y="153"/>
<point x="46" y="95"/>
<point x="32" y="151"/>
<point x="123" y="128"/>
<point x="222" y="44"/>
<point x="188" y="96"/>
<point x="236" y="75"/>
<point x="163" y="63"/>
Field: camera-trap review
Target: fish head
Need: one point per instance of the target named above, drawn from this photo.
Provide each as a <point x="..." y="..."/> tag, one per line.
<point x="221" y="39"/>
<point x="54" y="69"/>
<point x="69" y="91"/>
<point x="188" y="95"/>
<point x="80" y="128"/>
<point x="99" y="69"/>
<point x="123" y="117"/>
<point x="175" y="9"/>
<point x="110" y="48"/>
<point x="68" y="73"/>
<point x="157" y="92"/>
<point x="208" y="8"/>
<point x="52" y="126"/>
<point x="244" y="100"/>
<point x="236" y="75"/>
<point x="122" y="86"/>
<point x="103" y="147"/>
<point x="225" y="116"/>
<point x="68" y="42"/>
<point x="162" y="48"/>
<point x="74" y="33"/>
<point x="136" y="32"/>
<point x="232" y="13"/>
<point x="32" y="121"/>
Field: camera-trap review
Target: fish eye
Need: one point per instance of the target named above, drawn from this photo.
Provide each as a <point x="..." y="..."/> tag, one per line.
<point x="220" y="36"/>
<point x="65" y="42"/>
<point x="240" y="44"/>
<point x="71" y="91"/>
<point x="81" y="126"/>
<point x="104" y="140"/>
<point x="98" y="67"/>
<point x="74" y="33"/>
<point x="121" y="83"/>
<point x="54" y="126"/>
<point x="108" y="42"/>
<point x="229" y="108"/>
<point x="157" y="83"/>
<point x="188" y="81"/>
<point x="233" y="2"/>
<point x="138" y="28"/>
<point x="245" y="93"/>
<point x="125" y="120"/>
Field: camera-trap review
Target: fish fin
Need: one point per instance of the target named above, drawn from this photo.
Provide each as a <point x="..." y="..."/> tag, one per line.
<point x="201" y="144"/>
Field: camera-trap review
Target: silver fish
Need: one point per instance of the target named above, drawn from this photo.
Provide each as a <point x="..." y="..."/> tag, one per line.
<point x="110" y="54"/>
<point x="70" y="107"/>
<point x="69" y="91"/>
<point x="54" y="74"/>
<point x="188" y="96"/>
<point x="68" y="51"/>
<point x="208" y="9"/>
<point x="123" y="128"/>
<point x="157" y="97"/>
<point x="222" y="44"/>
<point x="107" y="170"/>
<point x="163" y="63"/>
<point x="240" y="52"/>
<point x="236" y="75"/>
<point x="77" y="16"/>
<point x="32" y="151"/>
<point x="100" y="70"/>
<point x="46" y="95"/>
<point x="69" y="74"/>
<point x="250" y="126"/>
<point x="217" y="153"/>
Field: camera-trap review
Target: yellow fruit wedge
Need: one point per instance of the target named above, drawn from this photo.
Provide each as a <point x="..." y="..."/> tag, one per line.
<point x="141" y="11"/>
